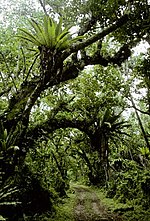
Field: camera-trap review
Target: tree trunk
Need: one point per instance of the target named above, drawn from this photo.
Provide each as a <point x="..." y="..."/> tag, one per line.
<point x="99" y="142"/>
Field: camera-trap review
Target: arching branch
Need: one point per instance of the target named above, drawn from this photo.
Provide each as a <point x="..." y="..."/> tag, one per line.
<point x="43" y="129"/>
<point x="76" y="47"/>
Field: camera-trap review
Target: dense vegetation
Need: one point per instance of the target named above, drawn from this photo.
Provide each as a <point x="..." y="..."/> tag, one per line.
<point x="74" y="103"/>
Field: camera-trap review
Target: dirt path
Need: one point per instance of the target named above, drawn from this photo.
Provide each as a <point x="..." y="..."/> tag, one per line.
<point x="89" y="208"/>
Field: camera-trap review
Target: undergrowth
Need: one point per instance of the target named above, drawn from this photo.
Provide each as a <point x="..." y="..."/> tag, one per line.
<point x="63" y="211"/>
<point x="132" y="210"/>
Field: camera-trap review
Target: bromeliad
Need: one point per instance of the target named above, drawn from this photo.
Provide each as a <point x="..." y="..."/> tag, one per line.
<point x="49" y="34"/>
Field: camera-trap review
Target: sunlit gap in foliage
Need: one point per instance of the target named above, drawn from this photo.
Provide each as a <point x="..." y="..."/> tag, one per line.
<point x="142" y="47"/>
<point x="128" y="72"/>
<point x="8" y="7"/>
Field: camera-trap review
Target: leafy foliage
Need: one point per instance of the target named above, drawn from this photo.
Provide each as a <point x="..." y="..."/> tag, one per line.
<point x="62" y="112"/>
<point x="8" y="190"/>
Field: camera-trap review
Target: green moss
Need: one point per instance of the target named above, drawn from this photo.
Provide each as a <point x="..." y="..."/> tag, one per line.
<point x="64" y="211"/>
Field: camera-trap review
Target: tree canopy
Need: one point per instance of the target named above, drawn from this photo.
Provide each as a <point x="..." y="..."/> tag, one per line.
<point x="72" y="83"/>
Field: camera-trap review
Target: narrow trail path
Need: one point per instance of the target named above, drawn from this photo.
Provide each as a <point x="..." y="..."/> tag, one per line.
<point x="88" y="207"/>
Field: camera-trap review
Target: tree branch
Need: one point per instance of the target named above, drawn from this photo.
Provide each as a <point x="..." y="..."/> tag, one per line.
<point x="143" y="112"/>
<point x="43" y="6"/>
<point x="75" y="47"/>
<point x="97" y="58"/>
<point x="87" y="27"/>
<point x="44" y="129"/>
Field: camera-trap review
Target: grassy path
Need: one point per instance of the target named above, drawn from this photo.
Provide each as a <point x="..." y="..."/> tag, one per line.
<point x="88" y="207"/>
<point x="84" y="204"/>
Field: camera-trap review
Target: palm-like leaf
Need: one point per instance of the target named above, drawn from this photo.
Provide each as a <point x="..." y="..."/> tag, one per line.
<point x="27" y="36"/>
<point x="39" y="32"/>
<point x="58" y="29"/>
<point x="49" y="34"/>
<point x="112" y="123"/>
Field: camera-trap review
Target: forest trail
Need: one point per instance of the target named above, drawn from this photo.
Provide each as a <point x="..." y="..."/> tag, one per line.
<point x="88" y="207"/>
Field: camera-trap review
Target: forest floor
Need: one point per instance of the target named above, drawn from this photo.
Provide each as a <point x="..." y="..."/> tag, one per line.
<point x="89" y="207"/>
<point x="85" y="204"/>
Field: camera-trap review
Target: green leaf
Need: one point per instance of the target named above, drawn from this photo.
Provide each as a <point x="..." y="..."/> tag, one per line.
<point x="63" y="43"/>
<point x="51" y="33"/>
<point x="63" y="34"/>
<point x="5" y="134"/>
<point x="59" y="27"/>
<point x="39" y="31"/>
<point x="29" y="37"/>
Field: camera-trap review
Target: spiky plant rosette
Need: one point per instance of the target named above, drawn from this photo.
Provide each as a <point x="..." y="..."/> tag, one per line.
<point x="49" y="34"/>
